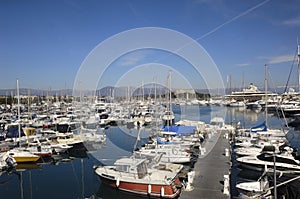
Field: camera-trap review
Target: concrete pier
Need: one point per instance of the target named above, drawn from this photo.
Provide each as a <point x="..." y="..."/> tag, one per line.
<point x="210" y="170"/>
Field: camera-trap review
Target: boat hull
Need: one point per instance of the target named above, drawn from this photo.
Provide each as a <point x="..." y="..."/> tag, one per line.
<point x="148" y="189"/>
<point x="45" y="154"/>
<point x="261" y="167"/>
<point x="19" y="159"/>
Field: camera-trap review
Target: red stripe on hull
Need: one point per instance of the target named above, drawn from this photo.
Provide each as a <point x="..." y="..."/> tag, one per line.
<point x="43" y="154"/>
<point x="139" y="188"/>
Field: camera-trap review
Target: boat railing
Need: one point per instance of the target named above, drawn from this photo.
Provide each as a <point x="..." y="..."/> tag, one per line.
<point x="120" y="173"/>
<point x="278" y="185"/>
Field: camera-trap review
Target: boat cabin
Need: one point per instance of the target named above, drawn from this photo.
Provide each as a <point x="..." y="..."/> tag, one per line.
<point x="132" y="165"/>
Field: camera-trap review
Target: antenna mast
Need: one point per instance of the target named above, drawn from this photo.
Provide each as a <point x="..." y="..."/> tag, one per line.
<point x="298" y="67"/>
<point x="266" y="93"/>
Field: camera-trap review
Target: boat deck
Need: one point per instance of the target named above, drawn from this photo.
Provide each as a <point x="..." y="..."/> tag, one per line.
<point x="210" y="169"/>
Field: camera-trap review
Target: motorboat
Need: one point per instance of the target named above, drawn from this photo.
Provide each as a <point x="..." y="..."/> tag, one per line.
<point x="69" y="139"/>
<point x="23" y="156"/>
<point x="39" y="150"/>
<point x="6" y="161"/>
<point x="253" y="189"/>
<point x="168" y="118"/>
<point x="283" y="161"/>
<point x="246" y="151"/>
<point x="92" y="136"/>
<point x="135" y="175"/>
<point x="49" y="137"/>
<point x="53" y="144"/>
<point x="253" y="105"/>
<point x="171" y="153"/>
<point x="217" y="125"/>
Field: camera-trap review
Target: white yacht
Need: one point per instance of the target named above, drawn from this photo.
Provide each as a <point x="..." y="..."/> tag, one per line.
<point x="258" y="162"/>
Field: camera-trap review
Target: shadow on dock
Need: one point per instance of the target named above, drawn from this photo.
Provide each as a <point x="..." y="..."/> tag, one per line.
<point x="210" y="169"/>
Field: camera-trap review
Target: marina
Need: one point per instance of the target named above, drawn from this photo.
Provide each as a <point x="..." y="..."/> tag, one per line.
<point x="135" y="99"/>
<point x="137" y="148"/>
<point x="82" y="160"/>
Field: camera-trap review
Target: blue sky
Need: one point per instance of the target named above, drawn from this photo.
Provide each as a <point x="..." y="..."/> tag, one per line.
<point x="44" y="43"/>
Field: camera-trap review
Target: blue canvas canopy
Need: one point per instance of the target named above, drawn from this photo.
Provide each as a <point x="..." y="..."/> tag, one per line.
<point x="180" y="130"/>
<point x="259" y="128"/>
<point x="13" y="132"/>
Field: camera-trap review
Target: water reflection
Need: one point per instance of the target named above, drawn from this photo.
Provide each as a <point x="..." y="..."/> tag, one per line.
<point x="249" y="118"/>
<point x="71" y="175"/>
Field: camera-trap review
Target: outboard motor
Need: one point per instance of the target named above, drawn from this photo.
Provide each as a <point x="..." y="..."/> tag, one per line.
<point x="10" y="162"/>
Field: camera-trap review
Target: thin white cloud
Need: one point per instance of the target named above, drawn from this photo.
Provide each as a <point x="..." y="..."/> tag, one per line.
<point x="292" y="22"/>
<point x="131" y="59"/>
<point x="202" y="1"/>
<point x="243" y="64"/>
<point x="278" y="59"/>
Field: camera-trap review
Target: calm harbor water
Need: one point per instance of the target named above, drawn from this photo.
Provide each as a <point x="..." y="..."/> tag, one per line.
<point x="73" y="177"/>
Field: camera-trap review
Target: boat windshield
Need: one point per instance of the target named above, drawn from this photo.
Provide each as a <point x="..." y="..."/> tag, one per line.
<point x="270" y="158"/>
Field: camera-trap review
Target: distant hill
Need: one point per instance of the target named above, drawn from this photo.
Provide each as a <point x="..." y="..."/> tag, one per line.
<point x="35" y="92"/>
<point x="121" y="91"/>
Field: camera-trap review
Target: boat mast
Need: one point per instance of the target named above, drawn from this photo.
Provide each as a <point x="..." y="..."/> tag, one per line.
<point x="28" y="102"/>
<point x="243" y="87"/>
<point x="170" y="92"/>
<point x="298" y="68"/>
<point x="19" y="122"/>
<point x="143" y="91"/>
<point x="154" y="89"/>
<point x="230" y="86"/>
<point x="266" y="93"/>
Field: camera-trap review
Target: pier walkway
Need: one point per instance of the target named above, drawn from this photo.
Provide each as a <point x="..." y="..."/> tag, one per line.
<point x="210" y="169"/>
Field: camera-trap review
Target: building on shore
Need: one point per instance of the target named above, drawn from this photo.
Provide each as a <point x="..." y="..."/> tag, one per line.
<point x="250" y="94"/>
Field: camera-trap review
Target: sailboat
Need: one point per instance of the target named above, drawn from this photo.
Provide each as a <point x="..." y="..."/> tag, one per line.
<point x="168" y="117"/>
<point x="20" y="155"/>
<point x="262" y="130"/>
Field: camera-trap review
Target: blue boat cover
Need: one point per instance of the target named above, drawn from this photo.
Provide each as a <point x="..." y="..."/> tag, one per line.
<point x="13" y="132"/>
<point x="259" y="128"/>
<point x="179" y="130"/>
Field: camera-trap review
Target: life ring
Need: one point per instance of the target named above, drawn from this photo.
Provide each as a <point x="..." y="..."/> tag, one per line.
<point x="174" y="151"/>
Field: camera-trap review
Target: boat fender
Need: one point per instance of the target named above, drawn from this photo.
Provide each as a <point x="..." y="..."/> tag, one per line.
<point x="162" y="191"/>
<point x="149" y="188"/>
<point x="118" y="182"/>
<point x="174" y="151"/>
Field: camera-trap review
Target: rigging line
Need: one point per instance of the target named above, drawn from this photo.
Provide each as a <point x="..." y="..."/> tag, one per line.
<point x="292" y="66"/>
<point x="277" y="111"/>
<point x="272" y="81"/>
